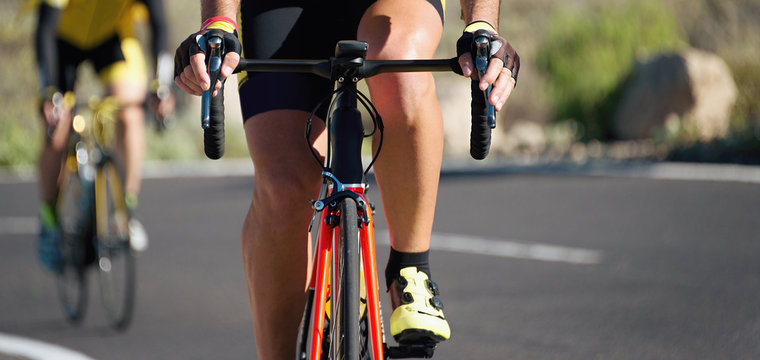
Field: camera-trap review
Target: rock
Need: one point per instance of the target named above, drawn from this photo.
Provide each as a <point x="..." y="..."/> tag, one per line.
<point x="694" y="85"/>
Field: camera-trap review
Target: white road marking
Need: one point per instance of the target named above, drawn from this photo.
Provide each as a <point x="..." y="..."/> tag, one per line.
<point x="18" y="225"/>
<point x="36" y="350"/>
<point x="508" y="249"/>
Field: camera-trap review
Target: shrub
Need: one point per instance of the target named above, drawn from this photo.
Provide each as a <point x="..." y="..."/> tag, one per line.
<point x="588" y="54"/>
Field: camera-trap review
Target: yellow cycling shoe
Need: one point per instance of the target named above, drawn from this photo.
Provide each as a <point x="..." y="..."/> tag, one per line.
<point x="417" y="317"/>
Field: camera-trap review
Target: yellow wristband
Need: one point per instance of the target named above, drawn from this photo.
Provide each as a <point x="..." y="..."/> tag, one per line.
<point x="222" y="25"/>
<point x="479" y="25"/>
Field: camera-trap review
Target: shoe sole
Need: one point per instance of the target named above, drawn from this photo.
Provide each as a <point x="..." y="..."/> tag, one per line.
<point x="418" y="337"/>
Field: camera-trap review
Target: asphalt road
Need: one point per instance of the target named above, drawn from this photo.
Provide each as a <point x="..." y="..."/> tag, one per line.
<point x="554" y="266"/>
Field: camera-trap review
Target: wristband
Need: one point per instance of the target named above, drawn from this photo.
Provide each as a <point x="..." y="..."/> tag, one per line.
<point x="220" y="22"/>
<point x="479" y="25"/>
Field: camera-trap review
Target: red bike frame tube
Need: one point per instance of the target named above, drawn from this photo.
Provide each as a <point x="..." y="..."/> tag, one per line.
<point x="367" y="243"/>
<point x="321" y="275"/>
<point x="319" y="283"/>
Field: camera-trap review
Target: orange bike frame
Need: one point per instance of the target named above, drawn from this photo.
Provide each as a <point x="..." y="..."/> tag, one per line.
<point x="321" y="274"/>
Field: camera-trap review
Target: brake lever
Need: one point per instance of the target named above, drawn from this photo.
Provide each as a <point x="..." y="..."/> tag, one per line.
<point x="482" y="53"/>
<point x="214" y="65"/>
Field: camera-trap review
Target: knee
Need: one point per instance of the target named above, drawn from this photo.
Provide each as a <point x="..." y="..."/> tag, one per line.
<point x="283" y="193"/>
<point x="132" y="115"/>
<point x="401" y="89"/>
<point x="280" y="210"/>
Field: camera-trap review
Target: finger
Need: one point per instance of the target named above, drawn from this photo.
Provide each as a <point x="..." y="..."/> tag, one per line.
<point x="512" y="61"/>
<point x="465" y="62"/>
<point x="515" y="67"/>
<point x="217" y="88"/>
<point x="502" y="89"/>
<point x="181" y="85"/>
<point x="492" y="73"/>
<point x="198" y="65"/>
<point x="188" y="77"/>
<point x="189" y="83"/>
<point x="229" y="64"/>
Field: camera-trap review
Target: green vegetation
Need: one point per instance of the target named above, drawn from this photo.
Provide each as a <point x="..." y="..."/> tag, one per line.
<point x="20" y="124"/>
<point x="574" y="55"/>
<point x="587" y="54"/>
<point x="20" y="133"/>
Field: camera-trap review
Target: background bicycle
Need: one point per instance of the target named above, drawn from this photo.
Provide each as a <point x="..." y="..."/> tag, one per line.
<point x="94" y="218"/>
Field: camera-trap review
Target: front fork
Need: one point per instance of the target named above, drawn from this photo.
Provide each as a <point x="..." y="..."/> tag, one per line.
<point x="334" y="192"/>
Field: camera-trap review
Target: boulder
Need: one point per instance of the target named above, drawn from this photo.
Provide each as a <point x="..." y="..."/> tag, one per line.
<point x="694" y="85"/>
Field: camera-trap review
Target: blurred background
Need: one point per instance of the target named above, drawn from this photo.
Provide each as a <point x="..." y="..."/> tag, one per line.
<point x="600" y="79"/>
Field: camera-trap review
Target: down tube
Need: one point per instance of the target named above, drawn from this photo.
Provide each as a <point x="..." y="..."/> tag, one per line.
<point x="321" y="268"/>
<point x="367" y="236"/>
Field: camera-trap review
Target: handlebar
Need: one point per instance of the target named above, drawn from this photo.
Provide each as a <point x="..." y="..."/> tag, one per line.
<point x="212" y="107"/>
<point x="483" y="113"/>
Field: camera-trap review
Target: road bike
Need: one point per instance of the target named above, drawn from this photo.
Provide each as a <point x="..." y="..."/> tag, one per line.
<point x="94" y="218"/>
<point x="342" y="316"/>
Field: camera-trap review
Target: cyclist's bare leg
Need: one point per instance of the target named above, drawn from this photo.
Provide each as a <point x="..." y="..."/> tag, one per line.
<point x="275" y="242"/>
<point x="51" y="159"/>
<point x="409" y="165"/>
<point x="130" y="132"/>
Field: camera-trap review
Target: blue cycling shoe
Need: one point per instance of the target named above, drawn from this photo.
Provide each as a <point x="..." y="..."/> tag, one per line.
<point x="49" y="248"/>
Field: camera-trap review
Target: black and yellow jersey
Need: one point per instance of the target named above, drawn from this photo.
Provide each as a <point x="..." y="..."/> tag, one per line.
<point x="71" y="31"/>
<point x="88" y="23"/>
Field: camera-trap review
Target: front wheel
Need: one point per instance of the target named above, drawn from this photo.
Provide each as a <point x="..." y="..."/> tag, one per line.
<point x="116" y="263"/>
<point x="73" y="209"/>
<point x="345" y="343"/>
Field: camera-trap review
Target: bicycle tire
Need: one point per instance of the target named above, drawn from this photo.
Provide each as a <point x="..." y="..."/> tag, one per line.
<point x="74" y="213"/>
<point x="116" y="263"/>
<point x="302" y="341"/>
<point x="345" y="344"/>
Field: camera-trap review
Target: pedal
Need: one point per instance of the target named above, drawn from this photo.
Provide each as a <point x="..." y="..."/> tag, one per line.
<point x="410" y="351"/>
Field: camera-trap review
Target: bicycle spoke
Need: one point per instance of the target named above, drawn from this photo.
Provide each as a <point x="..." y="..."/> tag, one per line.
<point x="73" y="212"/>
<point x="115" y="258"/>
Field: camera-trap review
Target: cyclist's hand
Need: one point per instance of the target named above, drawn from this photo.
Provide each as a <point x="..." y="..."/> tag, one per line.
<point x="503" y="65"/>
<point x="190" y="72"/>
<point x="56" y="108"/>
<point x="161" y="105"/>
<point x="50" y="114"/>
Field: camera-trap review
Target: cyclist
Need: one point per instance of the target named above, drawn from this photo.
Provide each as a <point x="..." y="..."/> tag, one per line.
<point x="67" y="34"/>
<point x="275" y="233"/>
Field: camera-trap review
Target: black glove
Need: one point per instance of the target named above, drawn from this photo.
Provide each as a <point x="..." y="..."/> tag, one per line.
<point x="500" y="49"/>
<point x="196" y="43"/>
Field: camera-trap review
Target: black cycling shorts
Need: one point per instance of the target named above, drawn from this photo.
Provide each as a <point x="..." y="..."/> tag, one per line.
<point x="295" y="29"/>
<point x="70" y="56"/>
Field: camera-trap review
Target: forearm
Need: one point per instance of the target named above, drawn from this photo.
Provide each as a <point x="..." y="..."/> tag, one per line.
<point x="211" y="8"/>
<point x="46" y="48"/>
<point x="487" y="10"/>
<point x="157" y="26"/>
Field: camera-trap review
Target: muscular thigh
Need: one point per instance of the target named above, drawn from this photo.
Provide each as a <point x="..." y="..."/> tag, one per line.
<point x="401" y="29"/>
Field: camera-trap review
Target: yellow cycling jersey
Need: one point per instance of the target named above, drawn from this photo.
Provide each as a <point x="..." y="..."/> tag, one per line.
<point x="88" y="23"/>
